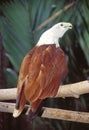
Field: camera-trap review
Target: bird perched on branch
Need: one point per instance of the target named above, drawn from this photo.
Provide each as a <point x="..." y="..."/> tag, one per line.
<point x="42" y="70"/>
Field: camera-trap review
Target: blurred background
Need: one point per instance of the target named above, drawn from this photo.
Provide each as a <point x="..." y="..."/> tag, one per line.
<point x="19" y="20"/>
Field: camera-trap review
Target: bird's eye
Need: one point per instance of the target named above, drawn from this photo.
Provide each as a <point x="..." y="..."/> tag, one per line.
<point x="61" y="24"/>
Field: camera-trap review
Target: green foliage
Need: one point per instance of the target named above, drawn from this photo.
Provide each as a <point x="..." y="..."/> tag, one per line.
<point x="22" y="17"/>
<point x="83" y="29"/>
<point x="11" y="77"/>
<point x="17" y="25"/>
<point x="16" y="32"/>
<point x="19" y="20"/>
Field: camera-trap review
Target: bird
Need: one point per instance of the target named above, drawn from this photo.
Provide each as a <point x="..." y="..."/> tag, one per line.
<point x="42" y="70"/>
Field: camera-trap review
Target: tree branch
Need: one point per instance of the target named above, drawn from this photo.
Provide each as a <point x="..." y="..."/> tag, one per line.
<point x="73" y="90"/>
<point x="8" y="94"/>
<point x="57" y="14"/>
<point x="70" y="90"/>
<point x="52" y="113"/>
<point x="67" y="115"/>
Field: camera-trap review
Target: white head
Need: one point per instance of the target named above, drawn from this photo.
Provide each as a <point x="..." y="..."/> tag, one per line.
<point x="52" y="35"/>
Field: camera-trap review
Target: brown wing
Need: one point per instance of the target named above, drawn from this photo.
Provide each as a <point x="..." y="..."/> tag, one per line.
<point x="21" y="100"/>
<point x="55" y="65"/>
<point x="48" y="65"/>
<point x="40" y="76"/>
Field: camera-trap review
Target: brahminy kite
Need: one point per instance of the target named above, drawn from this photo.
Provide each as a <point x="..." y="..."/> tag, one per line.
<point x="42" y="70"/>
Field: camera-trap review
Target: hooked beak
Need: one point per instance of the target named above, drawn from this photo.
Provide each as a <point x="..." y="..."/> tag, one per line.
<point x="68" y="25"/>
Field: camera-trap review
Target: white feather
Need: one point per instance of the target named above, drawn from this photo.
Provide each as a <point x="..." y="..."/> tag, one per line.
<point x="52" y="35"/>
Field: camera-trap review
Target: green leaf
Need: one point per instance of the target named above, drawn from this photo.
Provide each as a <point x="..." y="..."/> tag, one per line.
<point x="11" y="77"/>
<point x="16" y="32"/>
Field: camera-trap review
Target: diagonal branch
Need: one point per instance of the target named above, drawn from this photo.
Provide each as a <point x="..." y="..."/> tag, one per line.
<point x="57" y="14"/>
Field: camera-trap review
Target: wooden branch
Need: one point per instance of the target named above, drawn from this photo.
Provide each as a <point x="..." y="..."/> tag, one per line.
<point x="57" y="14"/>
<point x="70" y="90"/>
<point x="52" y="113"/>
<point x="73" y="90"/>
<point x="67" y="115"/>
<point x="8" y="94"/>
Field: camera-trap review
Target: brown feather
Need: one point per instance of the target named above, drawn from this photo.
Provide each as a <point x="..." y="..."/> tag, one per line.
<point x="41" y="72"/>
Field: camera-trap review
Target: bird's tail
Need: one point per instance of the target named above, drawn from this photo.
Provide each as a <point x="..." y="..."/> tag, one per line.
<point x="20" y="102"/>
<point x="32" y="114"/>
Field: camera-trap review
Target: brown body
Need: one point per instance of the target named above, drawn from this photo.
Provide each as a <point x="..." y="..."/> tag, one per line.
<point x="40" y="75"/>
